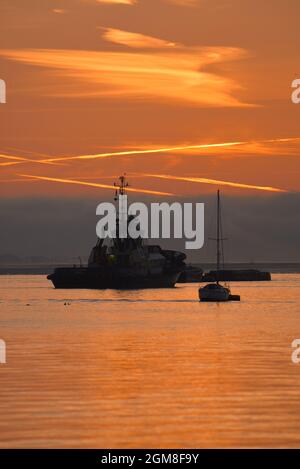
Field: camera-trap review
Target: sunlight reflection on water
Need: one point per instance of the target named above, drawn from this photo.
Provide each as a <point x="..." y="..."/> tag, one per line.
<point x="152" y="368"/>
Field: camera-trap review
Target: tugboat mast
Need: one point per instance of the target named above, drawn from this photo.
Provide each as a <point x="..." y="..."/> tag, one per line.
<point x="122" y="208"/>
<point x="121" y="186"/>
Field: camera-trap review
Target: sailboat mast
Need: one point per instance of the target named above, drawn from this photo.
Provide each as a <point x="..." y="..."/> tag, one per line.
<point x="218" y="236"/>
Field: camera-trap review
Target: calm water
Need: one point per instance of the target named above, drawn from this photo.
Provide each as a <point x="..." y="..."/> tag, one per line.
<point x="149" y="368"/>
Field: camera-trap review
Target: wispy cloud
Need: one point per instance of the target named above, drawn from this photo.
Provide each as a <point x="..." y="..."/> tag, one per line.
<point x="133" y="2"/>
<point x="9" y="163"/>
<point x="20" y="159"/>
<point x="215" y="182"/>
<point x="122" y="2"/>
<point x="150" y="151"/>
<point x="136" y="40"/>
<point x="59" y="11"/>
<point x="162" y="75"/>
<point x="93" y="184"/>
<point x="277" y="146"/>
<point x="188" y="3"/>
<point x="265" y="147"/>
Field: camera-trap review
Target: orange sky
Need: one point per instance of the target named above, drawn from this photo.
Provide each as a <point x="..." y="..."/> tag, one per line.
<point x="183" y="95"/>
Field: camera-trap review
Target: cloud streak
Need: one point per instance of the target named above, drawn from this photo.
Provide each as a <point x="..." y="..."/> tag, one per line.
<point x="171" y="76"/>
<point x="216" y="182"/>
<point x="92" y="184"/>
<point x="246" y="147"/>
<point x="188" y="3"/>
<point x="120" y="2"/>
<point x="135" y="40"/>
<point x="134" y="2"/>
<point x="21" y="159"/>
<point x="168" y="177"/>
<point x="144" y="151"/>
<point x="264" y="147"/>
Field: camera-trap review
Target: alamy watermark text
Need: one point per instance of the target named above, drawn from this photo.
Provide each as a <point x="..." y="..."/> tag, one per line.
<point x="296" y="352"/>
<point x="296" y="93"/>
<point x="2" y="92"/>
<point x="2" y="352"/>
<point x="162" y="220"/>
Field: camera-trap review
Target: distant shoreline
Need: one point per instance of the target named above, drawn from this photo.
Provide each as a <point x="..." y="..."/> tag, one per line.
<point x="275" y="267"/>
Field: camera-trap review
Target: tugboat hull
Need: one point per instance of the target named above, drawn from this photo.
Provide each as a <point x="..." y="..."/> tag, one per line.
<point x="97" y="278"/>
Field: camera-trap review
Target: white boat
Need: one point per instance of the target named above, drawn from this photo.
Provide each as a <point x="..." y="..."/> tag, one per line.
<point x="215" y="291"/>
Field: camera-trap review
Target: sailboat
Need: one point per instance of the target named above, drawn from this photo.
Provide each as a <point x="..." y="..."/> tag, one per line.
<point x="215" y="291"/>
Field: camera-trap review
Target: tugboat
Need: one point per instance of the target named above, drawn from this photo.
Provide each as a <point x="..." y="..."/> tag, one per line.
<point x="123" y="263"/>
<point x="215" y="291"/>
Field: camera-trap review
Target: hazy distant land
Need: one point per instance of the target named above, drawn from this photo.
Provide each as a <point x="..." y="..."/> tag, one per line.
<point x="44" y="269"/>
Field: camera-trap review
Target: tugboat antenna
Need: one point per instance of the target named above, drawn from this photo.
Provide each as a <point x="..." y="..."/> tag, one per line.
<point x="121" y="186"/>
<point x="122" y="209"/>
